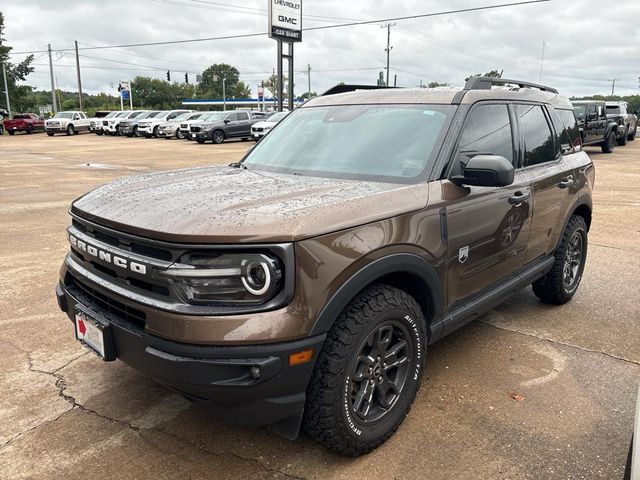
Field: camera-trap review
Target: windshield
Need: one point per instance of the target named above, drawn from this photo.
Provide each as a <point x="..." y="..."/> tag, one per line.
<point x="111" y="114"/>
<point x="184" y="116"/>
<point x="613" y="110"/>
<point x="216" y="117"/>
<point x="63" y="115"/>
<point x="137" y="114"/>
<point x="393" y="143"/>
<point x="579" y="110"/>
<point x="154" y="114"/>
<point x="23" y="116"/>
<point x="277" y="117"/>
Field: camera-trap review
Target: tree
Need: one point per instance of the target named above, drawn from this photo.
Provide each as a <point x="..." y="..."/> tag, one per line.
<point x="491" y="74"/>
<point x="15" y="73"/>
<point x="435" y="84"/>
<point x="271" y="84"/>
<point x="211" y="84"/>
<point x="306" y="95"/>
<point x="155" y="93"/>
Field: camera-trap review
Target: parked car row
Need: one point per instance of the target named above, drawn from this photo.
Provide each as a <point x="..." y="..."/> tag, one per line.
<point x="605" y="123"/>
<point x="202" y="127"/>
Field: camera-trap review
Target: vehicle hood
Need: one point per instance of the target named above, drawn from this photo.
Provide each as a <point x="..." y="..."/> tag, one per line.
<point x="233" y="205"/>
<point x="211" y="124"/>
<point x="265" y="123"/>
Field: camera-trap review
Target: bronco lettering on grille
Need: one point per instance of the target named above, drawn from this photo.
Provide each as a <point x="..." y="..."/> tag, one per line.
<point x="107" y="257"/>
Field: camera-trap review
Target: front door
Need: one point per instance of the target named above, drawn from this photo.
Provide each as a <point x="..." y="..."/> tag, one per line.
<point x="488" y="227"/>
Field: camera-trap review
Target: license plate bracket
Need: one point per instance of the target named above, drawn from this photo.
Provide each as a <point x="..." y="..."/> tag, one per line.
<point x="94" y="332"/>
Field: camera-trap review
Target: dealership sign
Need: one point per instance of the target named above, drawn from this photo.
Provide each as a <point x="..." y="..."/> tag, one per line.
<point x="285" y="20"/>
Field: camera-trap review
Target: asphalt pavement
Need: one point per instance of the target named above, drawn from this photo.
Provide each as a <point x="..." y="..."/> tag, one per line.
<point x="527" y="391"/>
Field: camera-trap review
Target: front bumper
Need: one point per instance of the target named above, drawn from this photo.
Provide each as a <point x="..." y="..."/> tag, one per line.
<point x="60" y="129"/>
<point x="201" y="136"/>
<point x="166" y="133"/>
<point x="146" y="131"/>
<point x="251" y="385"/>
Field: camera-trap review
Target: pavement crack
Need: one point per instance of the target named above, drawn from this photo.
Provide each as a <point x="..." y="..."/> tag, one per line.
<point x="558" y="342"/>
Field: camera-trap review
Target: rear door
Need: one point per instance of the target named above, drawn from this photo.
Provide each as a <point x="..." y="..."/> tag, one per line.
<point x="591" y="122"/>
<point x="488" y="227"/>
<point x="244" y="125"/>
<point x="551" y="176"/>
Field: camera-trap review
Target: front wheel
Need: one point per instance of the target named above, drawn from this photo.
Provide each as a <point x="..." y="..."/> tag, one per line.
<point x="368" y="371"/>
<point x="11" y="132"/>
<point x="217" y="137"/>
<point x="155" y="132"/>
<point x="561" y="283"/>
<point x="609" y="143"/>
<point x="71" y="130"/>
<point x="29" y="130"/>
<point x="179" y="134"/>
<point x="50" y="134"/>
<point x="632" y="134"/>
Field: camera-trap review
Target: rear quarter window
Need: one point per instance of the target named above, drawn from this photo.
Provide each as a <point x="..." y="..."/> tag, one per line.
<point x="566" y="126"/>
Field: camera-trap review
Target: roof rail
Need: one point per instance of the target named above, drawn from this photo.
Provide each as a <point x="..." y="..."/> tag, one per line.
<point x="485" y="83"/>
<point x="342" y="88"/>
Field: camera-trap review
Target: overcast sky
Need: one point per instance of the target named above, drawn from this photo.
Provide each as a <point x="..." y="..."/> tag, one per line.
<point x="586" y="42"/>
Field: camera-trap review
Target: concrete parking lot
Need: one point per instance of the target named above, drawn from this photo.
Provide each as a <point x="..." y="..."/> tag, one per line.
<point x="528" y="391"/>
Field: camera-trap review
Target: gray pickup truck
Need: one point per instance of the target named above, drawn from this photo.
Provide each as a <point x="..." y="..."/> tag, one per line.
<point x="627" y="122"/>
<point x="224" y="125"/>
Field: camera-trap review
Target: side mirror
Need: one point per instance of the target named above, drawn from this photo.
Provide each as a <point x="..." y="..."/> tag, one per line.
<point x="486" y="171"/>
<point x="226" y="121"/>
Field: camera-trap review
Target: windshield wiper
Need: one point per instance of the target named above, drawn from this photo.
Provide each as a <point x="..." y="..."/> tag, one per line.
<point x="238" y="165"/>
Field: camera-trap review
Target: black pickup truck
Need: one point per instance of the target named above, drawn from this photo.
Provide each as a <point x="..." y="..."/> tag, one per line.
<point x="222" y="126"/>
<point x="627" y="122"/>
<point x="595" y="127"/>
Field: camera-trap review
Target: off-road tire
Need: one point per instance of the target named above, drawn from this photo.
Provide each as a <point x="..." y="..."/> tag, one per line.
<point x="609" y="143"/>
<point x="328" y="414"/>
<point x="71" y="130"/>
<point x="622" y="141"/>
<point x="632" y="135"/>
<point x="552" y="288"/>
<point x="217" y="137"/>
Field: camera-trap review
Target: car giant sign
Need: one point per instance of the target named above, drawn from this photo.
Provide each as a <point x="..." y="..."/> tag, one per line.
<point x="285" y="20"/>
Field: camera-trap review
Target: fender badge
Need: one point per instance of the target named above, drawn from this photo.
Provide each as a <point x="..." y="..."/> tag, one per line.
<point x="463" y="254"/>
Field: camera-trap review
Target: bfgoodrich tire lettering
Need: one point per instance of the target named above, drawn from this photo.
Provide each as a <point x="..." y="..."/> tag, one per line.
<point x="561" y="283"/>
<point x="331" y="416"/>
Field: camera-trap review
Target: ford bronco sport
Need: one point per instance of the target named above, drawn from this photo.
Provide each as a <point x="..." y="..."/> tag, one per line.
<point x="301" y="286"/>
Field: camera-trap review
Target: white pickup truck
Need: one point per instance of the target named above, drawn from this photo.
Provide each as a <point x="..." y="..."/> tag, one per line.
<point x="67" y="122"/>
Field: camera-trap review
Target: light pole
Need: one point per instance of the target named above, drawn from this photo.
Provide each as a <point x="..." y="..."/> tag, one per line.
<point x="224" y="94"/>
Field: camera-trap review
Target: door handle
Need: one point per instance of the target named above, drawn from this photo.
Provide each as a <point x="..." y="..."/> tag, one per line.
<point x="566" y="182"/>
<point x="519" y="197"/>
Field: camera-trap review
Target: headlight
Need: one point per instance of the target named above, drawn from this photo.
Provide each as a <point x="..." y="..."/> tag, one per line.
<point x="226" y="279"/>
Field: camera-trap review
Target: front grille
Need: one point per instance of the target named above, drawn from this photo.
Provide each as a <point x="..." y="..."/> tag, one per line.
<point x="53" y="124"/>
<point x="102" y="304"/>
<point x="105" y="122"/>
<point x="195" y="129"/>
<point x="257" y="129"/>
<point x="124" y="244"/>
<point x="184" y="126"/>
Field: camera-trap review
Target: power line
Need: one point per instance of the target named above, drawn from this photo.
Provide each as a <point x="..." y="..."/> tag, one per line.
<point x="323" y="27"/>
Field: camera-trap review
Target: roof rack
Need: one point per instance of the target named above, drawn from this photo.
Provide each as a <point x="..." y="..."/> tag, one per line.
<point x="351" y="88"/>
<point x="485" y="83"/>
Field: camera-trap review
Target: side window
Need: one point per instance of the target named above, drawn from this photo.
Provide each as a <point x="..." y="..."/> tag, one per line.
<point x="232" y="117"/>
<point x="591" y="112"/>
<point x="76" y="116"/>
<point x="623" y="109"/>
<point x="487" y="131"/>
<point x="600" y="111"/>
<point x="171" y="116"/>
<point x="538" y="139"/>
<point x="243" y="116"/>
<point x="571" y="125"/>
<point x="563" y="138"/>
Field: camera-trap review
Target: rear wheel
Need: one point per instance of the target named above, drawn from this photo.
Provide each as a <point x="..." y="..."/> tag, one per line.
<point x="622" y="141"/>
<point x="632" y="134"/>
<point x="368" y="371"/>
<point x="71" y="130"/>
<point x="560" y="284"/>
<point x="217" y="137"/>
<point x="609" y="143"/>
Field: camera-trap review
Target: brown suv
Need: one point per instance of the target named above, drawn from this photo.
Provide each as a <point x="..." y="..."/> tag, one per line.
<point x="303" y="284"/>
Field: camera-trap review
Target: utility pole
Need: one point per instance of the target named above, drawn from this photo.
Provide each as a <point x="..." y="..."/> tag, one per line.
<point x="308" y="81"/>
<point x="224" y="94"/>
<point x="541" y="63"/>
<point x="389" y="47"/>
<point x="6" y="89"/>
<point x="79" y="80"/>
<point x="53" y="85"/>
<point x="613" y="84"/>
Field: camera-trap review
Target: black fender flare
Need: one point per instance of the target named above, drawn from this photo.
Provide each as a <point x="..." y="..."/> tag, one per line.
<point x="582" y="200"/>
<point x="393" y="263"/>
<point x="611" y="126"/>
